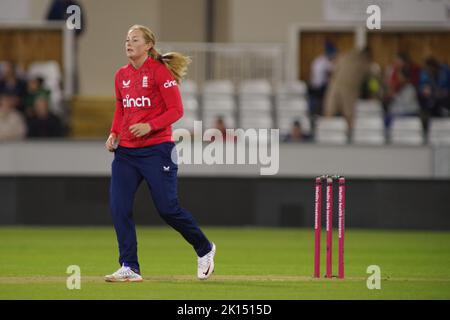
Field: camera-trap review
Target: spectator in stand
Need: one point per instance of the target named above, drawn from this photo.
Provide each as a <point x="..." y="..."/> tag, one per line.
<point x="35" y="89"/>
<point x="434" y="88"/>
<point x="11" y="84"/>
<point x="344" y="90"/>
<point x="321" y="70"/>
<point x="372" y="86"/>
<point x="220" y="125"/>
<point x="12" y="124"/>
<point x="404" y="102"/>
<point x="43" y="123"/>
<point x="296" y="134"/>
<point x="402" y="62"/>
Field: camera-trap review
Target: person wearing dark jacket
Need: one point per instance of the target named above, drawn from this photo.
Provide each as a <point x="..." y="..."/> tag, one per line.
<point x="43" y="123"/>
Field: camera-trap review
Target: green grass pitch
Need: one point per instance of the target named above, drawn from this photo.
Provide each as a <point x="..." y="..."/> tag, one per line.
<point x="251" y="263"/>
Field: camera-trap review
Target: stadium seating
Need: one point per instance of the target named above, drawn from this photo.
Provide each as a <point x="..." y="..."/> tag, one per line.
<point x="407" y="130"/>
<point x="255" y="105"/>
<point x="219" y="101"/>
<point x="368" y="108"/>
<point x="292" y="87"/>
<point x="331" y="130"/>
<point x="440" y="131"/>
<point x="368" y="130"/>
<point x="291" y="105"/>
<point x="189" y="93"/>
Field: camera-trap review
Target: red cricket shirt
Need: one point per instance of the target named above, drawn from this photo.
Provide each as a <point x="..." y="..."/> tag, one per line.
<point x="146" y="95"/>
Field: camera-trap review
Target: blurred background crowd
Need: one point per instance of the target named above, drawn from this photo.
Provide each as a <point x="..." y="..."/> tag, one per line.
<point x="401" y="89"/>
<point x="342" y="90"/>
<point x="25" y="106"/>
<point x="339" y="80"/>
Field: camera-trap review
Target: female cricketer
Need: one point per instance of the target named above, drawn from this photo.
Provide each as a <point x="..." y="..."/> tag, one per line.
<point x="148" y="102"/>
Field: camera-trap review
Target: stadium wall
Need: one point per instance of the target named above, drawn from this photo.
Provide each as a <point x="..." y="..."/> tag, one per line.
<point x="67" y="182"/>
<point x="266" y="202"/>
<point x="266" y="26"/>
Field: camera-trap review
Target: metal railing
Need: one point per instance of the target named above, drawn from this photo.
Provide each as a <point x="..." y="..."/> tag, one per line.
<point x="235" y="62"/>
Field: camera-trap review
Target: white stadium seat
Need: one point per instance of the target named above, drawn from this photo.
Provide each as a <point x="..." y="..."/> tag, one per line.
<point x="218" y="94"/>
<point x="223" y="104"/>
<point x="210" y="118"/>
<point x="190" y="104"/>
<point x="407" y="130"/>
<point x="188" y="88"/>
<point x="439" y="131"/>
<point x="369" y="123"/>
<point x="292" y="105"/>
<point x="368" y="108"/>
<point x="291" y="88"/>
<point x="258" y="87"/>
<point x="219" y="101"/>
<point x="369" y="130"/>
<point x="218" y="87"/>
<point x="256" y="105"/>
<point x="257" y="122"/>
<point x="331" y="130"/>
<point x="189" y="93"/>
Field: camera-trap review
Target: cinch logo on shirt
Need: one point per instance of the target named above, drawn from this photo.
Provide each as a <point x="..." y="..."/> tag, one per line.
<point x="169" y="84"/>
<point x="138" y="102"/>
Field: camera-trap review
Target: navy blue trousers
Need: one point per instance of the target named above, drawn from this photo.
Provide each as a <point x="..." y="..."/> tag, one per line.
<point x="154" y="165"/>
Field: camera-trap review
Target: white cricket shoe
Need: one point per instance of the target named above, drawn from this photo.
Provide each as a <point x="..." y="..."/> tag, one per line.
<point x="124" y="274"/>
<point x="205" y="265"/>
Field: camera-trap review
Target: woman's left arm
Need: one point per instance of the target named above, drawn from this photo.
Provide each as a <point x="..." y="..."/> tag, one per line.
<point x="170" y="93"/>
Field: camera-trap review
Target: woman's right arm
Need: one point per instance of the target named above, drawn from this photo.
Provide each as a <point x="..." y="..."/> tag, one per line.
<point x="117" y="120"/>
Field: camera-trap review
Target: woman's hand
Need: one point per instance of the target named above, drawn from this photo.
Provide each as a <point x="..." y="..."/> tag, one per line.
<point x="111" y="142"/>
<point x="140" y="129"/>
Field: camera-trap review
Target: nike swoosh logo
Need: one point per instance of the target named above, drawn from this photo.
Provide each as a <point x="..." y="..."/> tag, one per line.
<point x="206" y="272"/>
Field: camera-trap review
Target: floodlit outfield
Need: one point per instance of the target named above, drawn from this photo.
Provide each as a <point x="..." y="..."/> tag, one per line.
<point x="251" y="263"/>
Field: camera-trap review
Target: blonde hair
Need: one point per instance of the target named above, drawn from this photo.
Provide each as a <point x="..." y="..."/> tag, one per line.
<point x="174" y="61"/>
